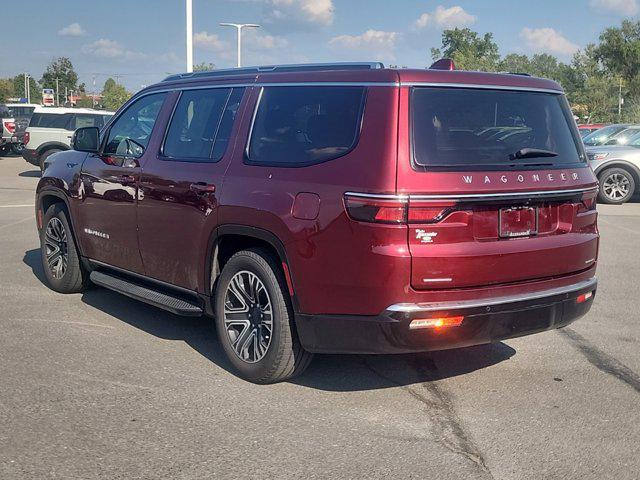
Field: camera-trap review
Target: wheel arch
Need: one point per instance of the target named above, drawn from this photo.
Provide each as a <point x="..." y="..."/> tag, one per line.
<point x="229" y="239"/>
<point x="51" y="145"/>
<point x="625" y="165"/>
<point x="48" y="197"/>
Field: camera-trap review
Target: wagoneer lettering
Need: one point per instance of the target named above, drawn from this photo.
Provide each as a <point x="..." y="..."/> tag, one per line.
<point x="343" y="208"/>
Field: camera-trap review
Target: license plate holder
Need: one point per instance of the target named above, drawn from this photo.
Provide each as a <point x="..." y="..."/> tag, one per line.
<point x="517" y="222"/>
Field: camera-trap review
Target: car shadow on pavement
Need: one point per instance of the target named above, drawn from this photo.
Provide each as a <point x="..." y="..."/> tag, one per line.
<point x="338" y="373"/>
<point x="30" y="174"/>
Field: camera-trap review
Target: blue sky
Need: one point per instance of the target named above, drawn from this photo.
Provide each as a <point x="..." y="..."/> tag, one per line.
<point x="143" y="40"/>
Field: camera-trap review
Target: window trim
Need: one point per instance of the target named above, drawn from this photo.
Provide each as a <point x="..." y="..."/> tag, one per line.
<point x="356" y="140"/>
<point x="418" y="167"/>
<point x="210" y="159"/>
<point x="116" y="116"/>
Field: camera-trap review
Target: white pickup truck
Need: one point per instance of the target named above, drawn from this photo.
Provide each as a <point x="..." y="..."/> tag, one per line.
<point x="8" y="125"/>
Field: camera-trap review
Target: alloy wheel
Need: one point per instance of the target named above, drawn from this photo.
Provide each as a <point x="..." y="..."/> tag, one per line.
<point x="616" y="186"/>
<point x="55" y="241"/>
<point x="248" y="316"/>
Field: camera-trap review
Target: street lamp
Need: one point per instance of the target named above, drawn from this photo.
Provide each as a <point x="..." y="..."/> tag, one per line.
<point x="239" y="27"/>
<point x="189" y="11"/>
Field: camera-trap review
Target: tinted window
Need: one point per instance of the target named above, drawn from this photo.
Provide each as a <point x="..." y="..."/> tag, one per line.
<point x="467" y="127"/>
<point x="305" y="125"/>
<point x="4" y="112"/>
<point x="201" y="124"/>
<point x="22" y="111"/>
<point x="49" y="120"/>
<point x="602" y="135"/>
<point x="135" y="123"/>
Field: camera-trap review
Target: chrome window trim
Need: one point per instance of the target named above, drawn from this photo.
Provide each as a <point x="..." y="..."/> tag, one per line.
<point x="481" y="86"/>
<point x="253" y="121"/>
<point x="488" y="302"/>
<point x="472" y="196"/>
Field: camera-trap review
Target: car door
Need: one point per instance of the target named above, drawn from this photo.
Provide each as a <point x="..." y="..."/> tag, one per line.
<point x="109" y="191"/>
<point x="180" y="185"/>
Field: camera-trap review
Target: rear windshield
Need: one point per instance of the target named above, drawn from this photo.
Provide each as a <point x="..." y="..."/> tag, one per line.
<point x="22" y="111"/>
<point x="464" y="127"/>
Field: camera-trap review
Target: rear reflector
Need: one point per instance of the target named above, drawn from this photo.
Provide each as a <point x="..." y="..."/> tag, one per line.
<point x="584" y="297"/>
<point x="436" y="323"/>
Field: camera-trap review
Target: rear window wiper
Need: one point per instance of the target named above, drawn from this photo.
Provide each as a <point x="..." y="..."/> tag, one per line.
<point x="531" y="153"/>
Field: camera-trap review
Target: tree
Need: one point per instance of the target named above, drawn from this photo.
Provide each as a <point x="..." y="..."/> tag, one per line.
<point x="468" y="50"/>
<point x="204" y="67"/>
<point x="114" y="95"/>
<point x="619" y="52"/>
<point x="6" y="89"/>
<point x="514" y="63"/>
<point x="62" y="69"/>
<point x="34" y="88"/>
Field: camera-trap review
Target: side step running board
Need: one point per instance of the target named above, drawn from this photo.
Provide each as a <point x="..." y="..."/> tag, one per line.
<point x="147" y="295"/>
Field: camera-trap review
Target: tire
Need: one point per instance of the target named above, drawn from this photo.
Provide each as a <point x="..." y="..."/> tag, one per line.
<point x="271" y="355"/>
<point x="62" y="276"/>
<point x="17" y="148"/>
<point x="46" y="155"/>
<point x="617" y="186"/>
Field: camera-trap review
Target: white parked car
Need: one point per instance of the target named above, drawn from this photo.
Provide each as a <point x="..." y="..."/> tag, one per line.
<point x="51" y="128"/>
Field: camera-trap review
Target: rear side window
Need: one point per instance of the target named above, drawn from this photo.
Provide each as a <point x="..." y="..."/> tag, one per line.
<point x="200" y="128"/>
<point x="296" y="126"/>
<point x="49" y="120"/>
<point x="82" y="121"/>
<point x="463" y="127"/>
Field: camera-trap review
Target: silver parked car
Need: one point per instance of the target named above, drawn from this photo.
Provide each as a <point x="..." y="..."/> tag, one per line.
<point x="617" y="168"/>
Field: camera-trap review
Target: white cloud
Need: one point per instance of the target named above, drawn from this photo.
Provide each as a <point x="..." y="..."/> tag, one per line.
<point x="210" y="41"/>
<point x="295" y="14"/>
<point x="106" y="48"/>
<point x="547" y="40"/>
<point x="381" y="45"/>
<point x="72" y="30"/>
<point x="256" y="41"/>
<point x="442" y="17"/>
<point x="622" y="7"/>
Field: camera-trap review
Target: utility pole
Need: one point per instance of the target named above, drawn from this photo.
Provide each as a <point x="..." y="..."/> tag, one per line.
<point x="189" y="8"/>
<point x="239" y="27"/>
<point x="26" y="79"/>
<point x="66" y="98"/>
<point x="620" y="100"/>
<point x="57" y="94"/>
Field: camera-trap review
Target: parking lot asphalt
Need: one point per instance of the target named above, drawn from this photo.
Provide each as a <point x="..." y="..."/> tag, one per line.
<point x="97" y="385"/>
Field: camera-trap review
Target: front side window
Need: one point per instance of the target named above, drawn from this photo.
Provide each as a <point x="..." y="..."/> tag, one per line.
<point x="201" y="124"/>
<point x="134" y="125"/>
<point x="304" y="125"/>
<point x="465" y="127"/>
<point x="87" y="121"/>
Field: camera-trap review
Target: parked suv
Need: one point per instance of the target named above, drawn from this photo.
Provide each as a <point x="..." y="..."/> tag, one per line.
<point x="7" y="129"/>
<point x="50" y="130"/>
<point x="332" y="208"/>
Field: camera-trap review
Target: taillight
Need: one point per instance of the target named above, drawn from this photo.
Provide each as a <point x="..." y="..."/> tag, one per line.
<point x="588" y="201"/>
<point x="394" y="209"/>
<point x="370" y="208"/>
<point x="26" y="138"/>
<point x="584" y="297"/>
<point x="10" y="126"/>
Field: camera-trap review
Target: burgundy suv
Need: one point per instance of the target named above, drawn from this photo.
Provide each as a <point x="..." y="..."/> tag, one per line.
<point x="343" y="208"/>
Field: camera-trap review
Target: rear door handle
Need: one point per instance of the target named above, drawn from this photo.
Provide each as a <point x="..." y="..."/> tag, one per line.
<point x="202" y="188"/>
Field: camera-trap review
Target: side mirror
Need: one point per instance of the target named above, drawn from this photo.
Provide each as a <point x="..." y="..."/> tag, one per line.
<point x="86" y="139"/>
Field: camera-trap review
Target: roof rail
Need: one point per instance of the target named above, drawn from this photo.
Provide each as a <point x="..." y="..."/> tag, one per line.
<point x="296" y="67"/>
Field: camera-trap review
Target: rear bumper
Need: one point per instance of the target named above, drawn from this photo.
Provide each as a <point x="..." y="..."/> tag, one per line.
<point x="31" y="156"/>
<point x="485" y="321"/>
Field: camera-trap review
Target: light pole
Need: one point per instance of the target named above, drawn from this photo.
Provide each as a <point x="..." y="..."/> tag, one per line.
<point x="239" y="27"/>
<point x="189" y="35"/>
